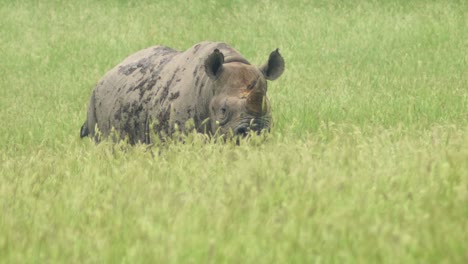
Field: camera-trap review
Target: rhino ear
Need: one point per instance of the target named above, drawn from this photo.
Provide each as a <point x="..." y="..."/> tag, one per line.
<point x="274" y="67"/>
<point x="214" y="64"/>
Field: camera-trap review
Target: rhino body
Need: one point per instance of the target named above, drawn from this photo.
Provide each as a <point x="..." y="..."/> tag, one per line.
<point x="160" y="89"/>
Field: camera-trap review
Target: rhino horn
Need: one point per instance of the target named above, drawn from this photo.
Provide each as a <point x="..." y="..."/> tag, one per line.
<point x="255" y="101"/>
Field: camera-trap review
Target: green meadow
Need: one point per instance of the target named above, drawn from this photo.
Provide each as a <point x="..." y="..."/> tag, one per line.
<point x="366" y="162"/>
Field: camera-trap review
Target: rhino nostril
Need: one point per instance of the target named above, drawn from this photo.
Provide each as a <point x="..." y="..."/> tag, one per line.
<point x="241" y="131"/>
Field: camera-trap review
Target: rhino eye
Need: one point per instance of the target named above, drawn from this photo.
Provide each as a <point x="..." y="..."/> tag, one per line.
<point x="223" y="110"/>
<point x="252" y="85"/>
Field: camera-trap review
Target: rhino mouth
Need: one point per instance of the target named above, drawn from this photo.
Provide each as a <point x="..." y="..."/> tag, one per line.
<point x="252" y="126"/>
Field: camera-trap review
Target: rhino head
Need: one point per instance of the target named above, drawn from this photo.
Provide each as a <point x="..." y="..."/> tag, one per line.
<point x="239" y="104"/>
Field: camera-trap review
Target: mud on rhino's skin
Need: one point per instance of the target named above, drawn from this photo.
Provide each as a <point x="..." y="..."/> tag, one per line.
<point x="158" y="89"/>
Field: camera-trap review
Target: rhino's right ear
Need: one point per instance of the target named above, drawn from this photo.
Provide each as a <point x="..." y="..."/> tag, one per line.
<point x="214" y="64"/>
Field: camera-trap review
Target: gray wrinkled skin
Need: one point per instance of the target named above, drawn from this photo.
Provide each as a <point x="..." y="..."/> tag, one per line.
<point x="160" y="89"/>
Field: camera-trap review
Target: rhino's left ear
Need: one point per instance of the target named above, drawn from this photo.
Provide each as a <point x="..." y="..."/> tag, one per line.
<point x="214" y="64"/>
<point x="274" y="67"/>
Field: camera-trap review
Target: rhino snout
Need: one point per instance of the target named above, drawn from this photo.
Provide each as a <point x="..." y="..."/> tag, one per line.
<point x="255" y="125"/>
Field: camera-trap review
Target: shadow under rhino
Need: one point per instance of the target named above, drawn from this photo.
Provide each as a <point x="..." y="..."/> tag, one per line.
<point x="159" y="90"/>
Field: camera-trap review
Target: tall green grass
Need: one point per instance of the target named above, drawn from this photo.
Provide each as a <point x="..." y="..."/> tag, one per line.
<point x="367" y="160"/>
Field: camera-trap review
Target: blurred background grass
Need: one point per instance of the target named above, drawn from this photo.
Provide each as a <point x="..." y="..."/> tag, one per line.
<point x="366" y="161"/>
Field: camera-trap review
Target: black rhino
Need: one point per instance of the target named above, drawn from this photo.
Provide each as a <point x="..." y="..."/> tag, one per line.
<point x="161" y="89"/>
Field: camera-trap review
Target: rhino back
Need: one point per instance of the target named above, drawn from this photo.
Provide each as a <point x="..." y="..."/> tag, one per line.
<point x="122" y="96"/>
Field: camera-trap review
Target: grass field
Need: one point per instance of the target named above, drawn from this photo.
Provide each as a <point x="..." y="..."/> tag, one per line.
<point x="367" y="161"/>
